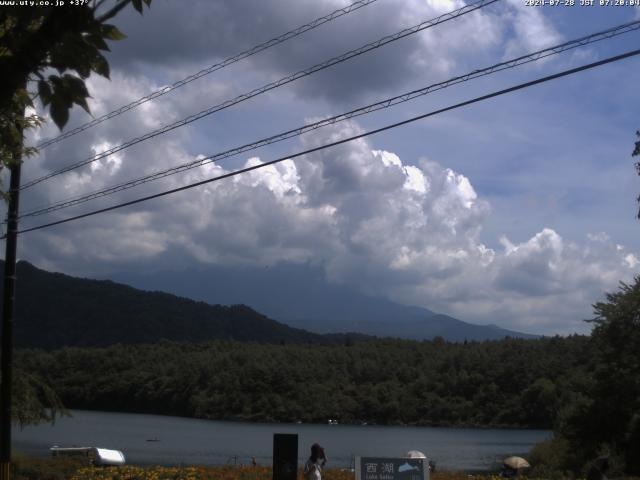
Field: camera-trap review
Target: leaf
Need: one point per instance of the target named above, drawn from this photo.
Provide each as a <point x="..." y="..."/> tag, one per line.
<point x="111" y="32"/>
<point x="55" y="80"/>
<point x="63" y="95"/>
<point x="82" y="101"/>
<point x="77" y="91"/>
<point x="23" y="97"/>
<point x="76" y="84"/>
<point x="73" y="53"/>
<point x="59" y="112"/>
<point x="44" y="90"/>
<point x="28" y="101"/>
<point x="15" y="135"/>
<point x="137" y="4"/>
<point x="148" y="2"/>
<point x="67" y="90"/>
<point x="98" y="42"/>
<point x="100" y="66"/>
<point x="29" y="151"/>
<point x="83" y="70"/>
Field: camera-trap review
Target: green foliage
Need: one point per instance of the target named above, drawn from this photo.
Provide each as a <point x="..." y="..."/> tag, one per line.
<point x="35" y="40"/>
<point x="40" y="40"/>
<point x="383" y="381"/>
<point x="540" y="399"/>
<point x="549" y="459"/>
<point x="34" y="401"/>
<point x="636" y="152"/>
<point x="601" y="416"/>
<point x="11" y="127"/>
<point x="60" y="468"/>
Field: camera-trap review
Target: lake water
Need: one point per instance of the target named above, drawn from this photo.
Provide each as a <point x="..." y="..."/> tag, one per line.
<point x="203" y="442"/>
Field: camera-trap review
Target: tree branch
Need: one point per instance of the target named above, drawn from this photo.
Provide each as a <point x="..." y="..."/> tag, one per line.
<point x="114" y="11"/>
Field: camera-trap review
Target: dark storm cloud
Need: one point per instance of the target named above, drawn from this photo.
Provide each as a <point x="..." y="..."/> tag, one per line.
<point x="190" y="36"/>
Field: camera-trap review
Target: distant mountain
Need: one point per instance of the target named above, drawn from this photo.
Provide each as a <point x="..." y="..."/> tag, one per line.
<point x="300" y="296"/>
<point x="55" y="310"/>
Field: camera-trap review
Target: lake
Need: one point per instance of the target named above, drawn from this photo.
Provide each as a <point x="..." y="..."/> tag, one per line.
<point x="204" y="442"/>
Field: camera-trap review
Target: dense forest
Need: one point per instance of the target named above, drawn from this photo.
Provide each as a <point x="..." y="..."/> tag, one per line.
<point x="516" y="383"/>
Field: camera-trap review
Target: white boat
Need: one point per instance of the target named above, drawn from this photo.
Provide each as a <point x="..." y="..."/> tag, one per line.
<point x="95" y="455"/>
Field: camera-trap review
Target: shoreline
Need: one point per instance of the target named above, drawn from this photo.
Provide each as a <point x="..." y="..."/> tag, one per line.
<point x="294" y="422"/>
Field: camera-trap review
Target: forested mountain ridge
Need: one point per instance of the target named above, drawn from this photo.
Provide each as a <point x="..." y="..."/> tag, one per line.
<point x="55" y="310"/>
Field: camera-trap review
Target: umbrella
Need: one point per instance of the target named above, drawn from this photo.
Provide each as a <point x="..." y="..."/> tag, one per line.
<point x="516" y="463"/>
<point x="415" y="454"/>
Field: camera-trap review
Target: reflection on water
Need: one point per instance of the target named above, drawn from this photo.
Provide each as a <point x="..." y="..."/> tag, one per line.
<point x="165" y="440"/>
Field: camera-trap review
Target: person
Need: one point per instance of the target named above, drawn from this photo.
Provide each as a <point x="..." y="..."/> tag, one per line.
<point x="315" y="464"/>
<point x="253" y="462"/>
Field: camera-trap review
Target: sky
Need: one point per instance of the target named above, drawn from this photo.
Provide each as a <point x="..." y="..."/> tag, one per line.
<point x="518" y="211"/>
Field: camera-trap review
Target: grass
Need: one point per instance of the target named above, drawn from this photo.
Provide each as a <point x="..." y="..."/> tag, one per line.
<point x="25" y="468"/>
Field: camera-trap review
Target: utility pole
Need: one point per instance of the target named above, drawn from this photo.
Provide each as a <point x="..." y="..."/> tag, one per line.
<point x="6" y="356"/>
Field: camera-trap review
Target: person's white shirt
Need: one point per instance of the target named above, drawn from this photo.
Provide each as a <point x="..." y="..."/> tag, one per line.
<point x="312" y="470"/>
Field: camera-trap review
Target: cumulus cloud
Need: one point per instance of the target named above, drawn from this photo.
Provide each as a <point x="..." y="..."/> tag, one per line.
<point x="405" y="227"/>
<point x="371" y="220"/>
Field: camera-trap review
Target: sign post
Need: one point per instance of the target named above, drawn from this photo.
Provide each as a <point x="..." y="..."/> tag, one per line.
<point x="380" y="468"/>
<point x="285" y="456"/>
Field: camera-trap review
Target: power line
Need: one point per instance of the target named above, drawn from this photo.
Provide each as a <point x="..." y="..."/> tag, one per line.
<point x="270" y="86"/>
<point x="383" y="104"/>
<point x="339" y="142"/>
<point x="212" y="68"/>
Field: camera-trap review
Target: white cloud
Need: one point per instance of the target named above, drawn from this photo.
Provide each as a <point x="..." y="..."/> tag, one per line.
<point x="110" y="164"/>
<point x="405" y="227"/>
<point x="631" y="260"/>
<point x="532" y="30"/>
<point x="373" y="221"/>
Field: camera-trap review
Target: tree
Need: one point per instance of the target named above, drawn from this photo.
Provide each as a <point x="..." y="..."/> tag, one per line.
<point x="636" y="152"/>
<point x="45" y="52"/>
<point x="539" y="401"/>
<point x="35" y="400"/>
<point x="36" y="41"/>
<point x="51" y="49"/>
<point x="605" y="418"/>
<point x="617" y="376"/>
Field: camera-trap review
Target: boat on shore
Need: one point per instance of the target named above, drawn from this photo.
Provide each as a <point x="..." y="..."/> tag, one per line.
<point x="94" y="455"/>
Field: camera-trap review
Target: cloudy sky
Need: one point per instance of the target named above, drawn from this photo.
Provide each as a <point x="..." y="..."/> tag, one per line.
<point x="518" y="211"/>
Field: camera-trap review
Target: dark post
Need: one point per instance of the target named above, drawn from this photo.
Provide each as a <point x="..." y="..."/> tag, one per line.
<point x="6" y="357"/>
<point x="285" y="456"/>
